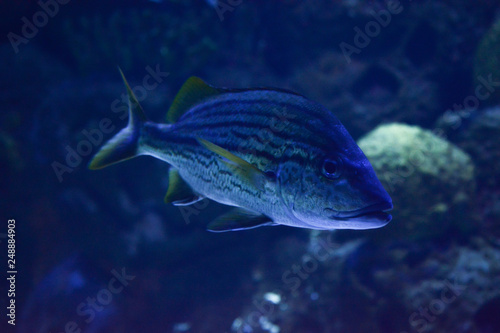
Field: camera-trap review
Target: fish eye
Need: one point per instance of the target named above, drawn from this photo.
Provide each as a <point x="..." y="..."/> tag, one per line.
<point x="331" y="169"/>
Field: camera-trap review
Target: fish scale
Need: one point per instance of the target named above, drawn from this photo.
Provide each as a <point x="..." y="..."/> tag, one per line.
<point x="275" y="155"/>
<point x="197" y="166"/>
<point x="256" y="114"/>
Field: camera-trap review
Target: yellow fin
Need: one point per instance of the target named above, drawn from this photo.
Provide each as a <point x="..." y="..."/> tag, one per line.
<point x="179" y="192"/>
<point x="239" y="219"/>
<point x="125" y="144"/>
<point x="134" y="106"/>
<point x="237" y="165"/>
<point x="193" y="91"/>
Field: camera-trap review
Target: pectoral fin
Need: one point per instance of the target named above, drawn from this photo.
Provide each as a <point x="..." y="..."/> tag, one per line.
<point x="179" y="192"/>
<point x="237" y="165"/>
<point x="239" y="219"/>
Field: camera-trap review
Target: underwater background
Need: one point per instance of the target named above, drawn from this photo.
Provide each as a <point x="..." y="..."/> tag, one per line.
<point x="416" y="83"/>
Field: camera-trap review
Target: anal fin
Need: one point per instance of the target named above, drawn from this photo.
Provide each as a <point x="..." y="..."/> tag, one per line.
<point x="239" y="219"/>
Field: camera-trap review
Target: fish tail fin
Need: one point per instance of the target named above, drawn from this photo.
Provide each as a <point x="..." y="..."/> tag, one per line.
<point x="125" y="144"/>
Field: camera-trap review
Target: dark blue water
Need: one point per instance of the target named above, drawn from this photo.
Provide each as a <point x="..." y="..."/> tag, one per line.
<point x="99" y="251"/>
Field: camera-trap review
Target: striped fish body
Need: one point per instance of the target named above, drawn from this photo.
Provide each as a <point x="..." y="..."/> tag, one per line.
<point x="277" y="156"/>
<point x="260" y="126"/>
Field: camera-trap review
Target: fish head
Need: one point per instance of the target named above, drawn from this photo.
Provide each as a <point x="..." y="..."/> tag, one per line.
<point x="336" y="190"/>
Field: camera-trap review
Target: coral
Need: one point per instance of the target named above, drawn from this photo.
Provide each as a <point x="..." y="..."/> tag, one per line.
<point x="365" y="94"/>
<point x="430" y="181"/>
<point x="410" y="72"/>
<point x="408" y="288"/>
<point x="460" y="287"/>
<point x="482" y="141"/>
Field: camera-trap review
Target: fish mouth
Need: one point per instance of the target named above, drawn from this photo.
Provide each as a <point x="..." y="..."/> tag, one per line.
<point x="373" y="216"/>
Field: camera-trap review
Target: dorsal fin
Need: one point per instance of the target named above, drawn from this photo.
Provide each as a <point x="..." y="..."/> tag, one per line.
<point x="193" y="91"/>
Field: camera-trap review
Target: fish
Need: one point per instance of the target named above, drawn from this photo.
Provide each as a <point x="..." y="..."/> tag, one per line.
<point x="275" y="156"/>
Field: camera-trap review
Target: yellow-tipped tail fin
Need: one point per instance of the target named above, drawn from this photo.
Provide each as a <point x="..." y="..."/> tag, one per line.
<point x="123" y="145"/>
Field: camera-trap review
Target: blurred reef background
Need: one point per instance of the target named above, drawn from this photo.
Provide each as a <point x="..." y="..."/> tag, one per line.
<point x="417" y="83"/>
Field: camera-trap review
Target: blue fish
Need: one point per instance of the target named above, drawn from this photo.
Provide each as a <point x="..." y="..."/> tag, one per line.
<point x="277" y="157"/>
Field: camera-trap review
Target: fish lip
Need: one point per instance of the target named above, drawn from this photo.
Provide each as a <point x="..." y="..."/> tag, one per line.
<point x="378" y="207"/>
<point x="376" y="213"/>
